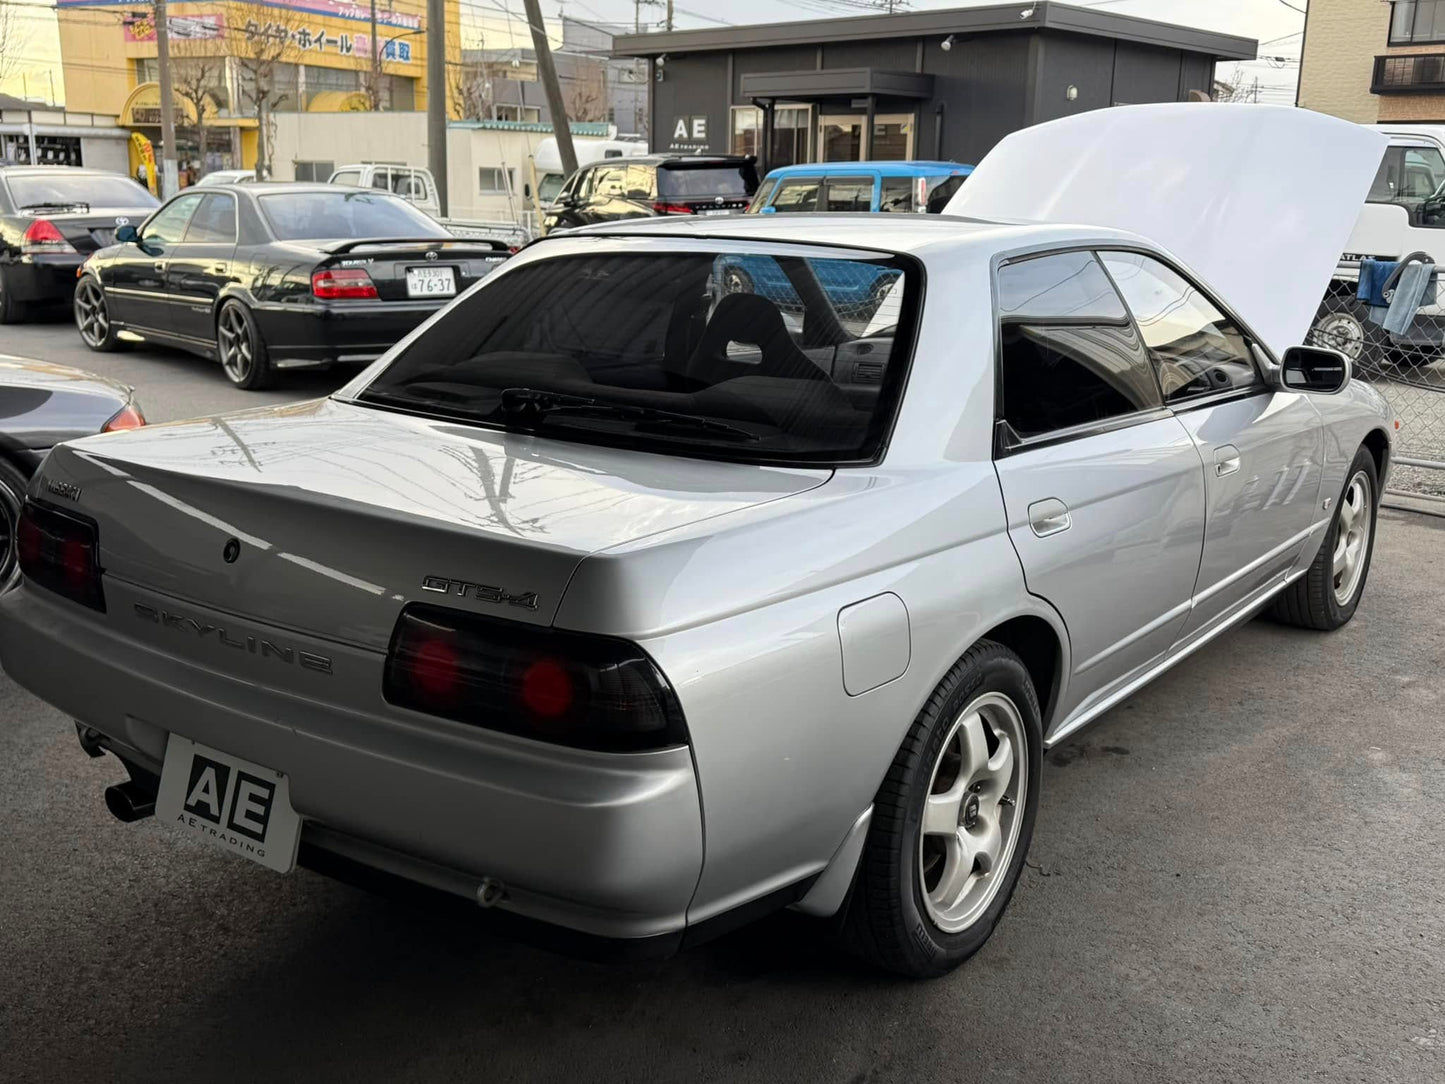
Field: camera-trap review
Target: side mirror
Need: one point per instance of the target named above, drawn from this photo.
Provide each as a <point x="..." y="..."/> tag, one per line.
<point x="127" y="235"/>
<point x="1314" y="368"/>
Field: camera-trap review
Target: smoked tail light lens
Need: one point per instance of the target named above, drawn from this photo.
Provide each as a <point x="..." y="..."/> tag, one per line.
<point x="60" y="551"/>
<point x="672" y="208"/>
<point x="589" y="692"/>
<point x="127" y="417"/>
<point x="342" y="283"/>
<point x="43" y="238"/>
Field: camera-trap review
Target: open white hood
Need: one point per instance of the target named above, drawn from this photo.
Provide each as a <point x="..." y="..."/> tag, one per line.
<point x="1258" y="200"/>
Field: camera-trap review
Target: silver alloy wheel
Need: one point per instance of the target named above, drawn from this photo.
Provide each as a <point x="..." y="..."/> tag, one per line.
<point x="92" y="316"/>
<point x="9" y="524"/>
<point x="1343" y="332"/>
<point x="973" y="812"/>
<point x="1352" y="542"/>
<point x="234" y="339"/>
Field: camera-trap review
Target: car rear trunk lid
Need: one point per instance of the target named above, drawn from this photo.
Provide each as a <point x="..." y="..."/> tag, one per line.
<point x="344" y="514"/>
<point x="421" y="270"/>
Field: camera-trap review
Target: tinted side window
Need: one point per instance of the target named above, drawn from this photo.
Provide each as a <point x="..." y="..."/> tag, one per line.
<point x="850" y="194"/>
<point x="609" y="183"/>
<point x="639" y="182"/>
<point x="214" y="221"/>
<point x="1196" y="348"/>
<point x="897" y="195"/>
<point x="1069" y="355"/>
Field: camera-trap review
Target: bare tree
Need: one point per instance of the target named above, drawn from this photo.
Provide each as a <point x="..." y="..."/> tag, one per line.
<point x="13" y="39"/>
<point x="471" y="89"/>
<point x="1236" y="88"/>
<point x="260" y="39"/>
<point x="587" y="91"/>
<point x="195" y="80"/>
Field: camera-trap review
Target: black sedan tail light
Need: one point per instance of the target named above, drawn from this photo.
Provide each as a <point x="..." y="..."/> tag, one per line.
<point x="590" y="692"/>
<point x="60" y="551"/>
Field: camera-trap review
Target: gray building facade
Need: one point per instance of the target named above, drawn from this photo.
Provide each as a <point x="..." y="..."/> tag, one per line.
<point x="930" y="84"/>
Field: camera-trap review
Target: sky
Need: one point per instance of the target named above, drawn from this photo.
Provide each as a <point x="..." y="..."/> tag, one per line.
<point x="1277" y="24"/>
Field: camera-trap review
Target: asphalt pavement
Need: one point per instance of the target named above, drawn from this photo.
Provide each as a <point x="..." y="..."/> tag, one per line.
<point x="1236" y="876"/>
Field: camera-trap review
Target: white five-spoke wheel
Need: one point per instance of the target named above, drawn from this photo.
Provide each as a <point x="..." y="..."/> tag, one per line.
<point x="1329" y="592"/>
<point x="1352" y="540"/>
<point x="971" y="817"/>
<point x="952" y="819"/>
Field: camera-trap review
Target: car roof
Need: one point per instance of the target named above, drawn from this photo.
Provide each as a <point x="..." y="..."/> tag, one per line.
<point x="915" y="234"/>
<point x="261" y="188"/>
<point x="884" y="169"/>
<point x="664" y="159"/>
<point x="74" y="171"/>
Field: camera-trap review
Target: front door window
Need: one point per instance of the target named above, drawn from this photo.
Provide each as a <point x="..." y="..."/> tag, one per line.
<point x="892" y="139"/>
<point x="840" y="138"/>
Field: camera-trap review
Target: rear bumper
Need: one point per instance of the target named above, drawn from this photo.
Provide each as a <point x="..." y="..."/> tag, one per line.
<point x="354" y="331"/>
<point x="603" y="845"/>
<point x="42" y="278"/>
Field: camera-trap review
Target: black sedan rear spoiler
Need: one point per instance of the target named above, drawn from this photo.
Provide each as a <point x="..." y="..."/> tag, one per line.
<point x="472" y="242"/>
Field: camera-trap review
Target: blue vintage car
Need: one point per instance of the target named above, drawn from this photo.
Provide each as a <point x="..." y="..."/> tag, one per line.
<point x="888" y="187"/>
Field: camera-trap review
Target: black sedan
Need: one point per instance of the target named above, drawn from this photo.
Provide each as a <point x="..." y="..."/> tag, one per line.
<point x="267" y="277"/>
<point x="52" y="218"/>
<point x="41" y="405"/>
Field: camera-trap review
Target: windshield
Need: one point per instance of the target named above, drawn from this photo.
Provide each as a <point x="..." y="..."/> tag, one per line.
<point x="549" y="186"/>
<point x="77" y="189"/>
<point x="745" y="356"/>
<point x="709" y="181"/>
<point x="1414" y="178"/>
<point x="304" y="216"/>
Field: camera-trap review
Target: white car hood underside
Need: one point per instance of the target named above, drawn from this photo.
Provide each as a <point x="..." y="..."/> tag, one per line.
<point x="1258" y="200"/>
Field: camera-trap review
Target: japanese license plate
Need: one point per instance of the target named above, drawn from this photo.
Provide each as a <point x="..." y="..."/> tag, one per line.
<point x="229" y="802"/>
<point x="716" y="211"/>
<point x="431" y="281"/>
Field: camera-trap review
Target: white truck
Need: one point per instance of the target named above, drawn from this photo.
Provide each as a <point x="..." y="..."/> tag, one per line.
<point x="1403" y="219"/>
<point x="416" y="185"/>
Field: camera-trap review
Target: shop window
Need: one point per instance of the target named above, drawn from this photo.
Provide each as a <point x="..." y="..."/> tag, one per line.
<point x="493" y="180"/>
<point x="320" y="172"/>
<point x="791" y="124"/>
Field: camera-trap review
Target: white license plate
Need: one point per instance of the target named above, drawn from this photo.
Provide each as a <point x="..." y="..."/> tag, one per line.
<point x="230" y="802"/>
<point x="717" y="211"/>
<point x="431" y="281"/>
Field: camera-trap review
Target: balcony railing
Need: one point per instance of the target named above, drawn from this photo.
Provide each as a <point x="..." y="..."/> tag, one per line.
<point x="1409" y="74"/>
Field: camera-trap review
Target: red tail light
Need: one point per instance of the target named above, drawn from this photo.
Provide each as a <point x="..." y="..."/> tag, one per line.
<point x="60" y="551"/>
<point x="672" y="208"/>
<point x="43" y="238"/>
<point x="590" y="692"/>
<point x="341" y="283"/>
<point x="127" y="417"/>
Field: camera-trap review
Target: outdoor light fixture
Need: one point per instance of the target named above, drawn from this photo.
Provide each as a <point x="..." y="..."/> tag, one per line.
<point x="661" y="63"/>
<point x="946" y="44"/>
<point x="1027" y="12"/>
<point x="1072" y="93"/>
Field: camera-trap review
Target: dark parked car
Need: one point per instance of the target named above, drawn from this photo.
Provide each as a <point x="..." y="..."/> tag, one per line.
<point x="52" y="218"/>
<point x="264" y="277"/>
<point x="618" y="188"/>
<point x="41" y="405"/>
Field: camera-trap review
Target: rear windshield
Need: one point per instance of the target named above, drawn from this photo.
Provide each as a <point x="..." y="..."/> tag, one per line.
<point x="743" y="356"/>
<point x="77" y="190"/>
<point x="304" y="216"/>
<point x="685" y="181"/>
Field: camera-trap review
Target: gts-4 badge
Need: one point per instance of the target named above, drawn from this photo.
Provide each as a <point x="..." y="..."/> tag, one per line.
<point x="255" y="645"/>
<point x="480" y="591"/>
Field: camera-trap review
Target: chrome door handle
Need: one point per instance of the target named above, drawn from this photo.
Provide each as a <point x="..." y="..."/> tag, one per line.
<point x="219" y="268"/>
<point x="160" y="265"/>
<point x="1226" y="460"/>
<point x="1049" y="516"/>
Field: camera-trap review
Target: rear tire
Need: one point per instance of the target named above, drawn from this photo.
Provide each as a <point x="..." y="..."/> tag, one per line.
<point x="244" y="358"/>
<point x="13" y="485"/>
<point x="1326" y="596"/>
<point x="11" y="311"/>
<point x="930" y="890"/>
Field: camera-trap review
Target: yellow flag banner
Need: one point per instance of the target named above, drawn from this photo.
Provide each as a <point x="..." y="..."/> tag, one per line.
<point x="147" y="155"/>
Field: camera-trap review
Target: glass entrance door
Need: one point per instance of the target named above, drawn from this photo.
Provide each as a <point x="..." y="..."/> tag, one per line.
<point x="840" y="138"/>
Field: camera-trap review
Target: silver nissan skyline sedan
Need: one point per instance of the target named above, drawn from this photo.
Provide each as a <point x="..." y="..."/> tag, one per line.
<point x="632" y="605"/>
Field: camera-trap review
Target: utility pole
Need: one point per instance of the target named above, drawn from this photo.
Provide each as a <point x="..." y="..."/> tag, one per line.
<point x="436" y="96"/>
<point x="547" y="72"/>
<point x="170" y="170"/>
<point x="669" y="14"/>
<point x="375" y="63"/>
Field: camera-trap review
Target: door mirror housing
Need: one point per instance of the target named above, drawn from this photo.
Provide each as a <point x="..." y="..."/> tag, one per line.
<point x="127" y="235"/>
<point x="1314" y="368"/>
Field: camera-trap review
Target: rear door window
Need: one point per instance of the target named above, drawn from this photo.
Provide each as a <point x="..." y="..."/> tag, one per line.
<point x="1069" y="355"/>
<point x="849" y="194"/>
<point x="214" y="222"/>
<point x="897" y="195"/>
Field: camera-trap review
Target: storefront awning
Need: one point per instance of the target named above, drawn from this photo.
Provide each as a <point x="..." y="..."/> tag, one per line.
<point x="812" y="84"/>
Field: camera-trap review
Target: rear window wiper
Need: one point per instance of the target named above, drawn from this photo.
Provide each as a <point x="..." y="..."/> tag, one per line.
<point x="65" y="206"/>
<point x="532" y="405"/>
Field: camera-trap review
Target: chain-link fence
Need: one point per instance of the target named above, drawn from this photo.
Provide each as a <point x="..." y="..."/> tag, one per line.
<point x="1407" y="368"/>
